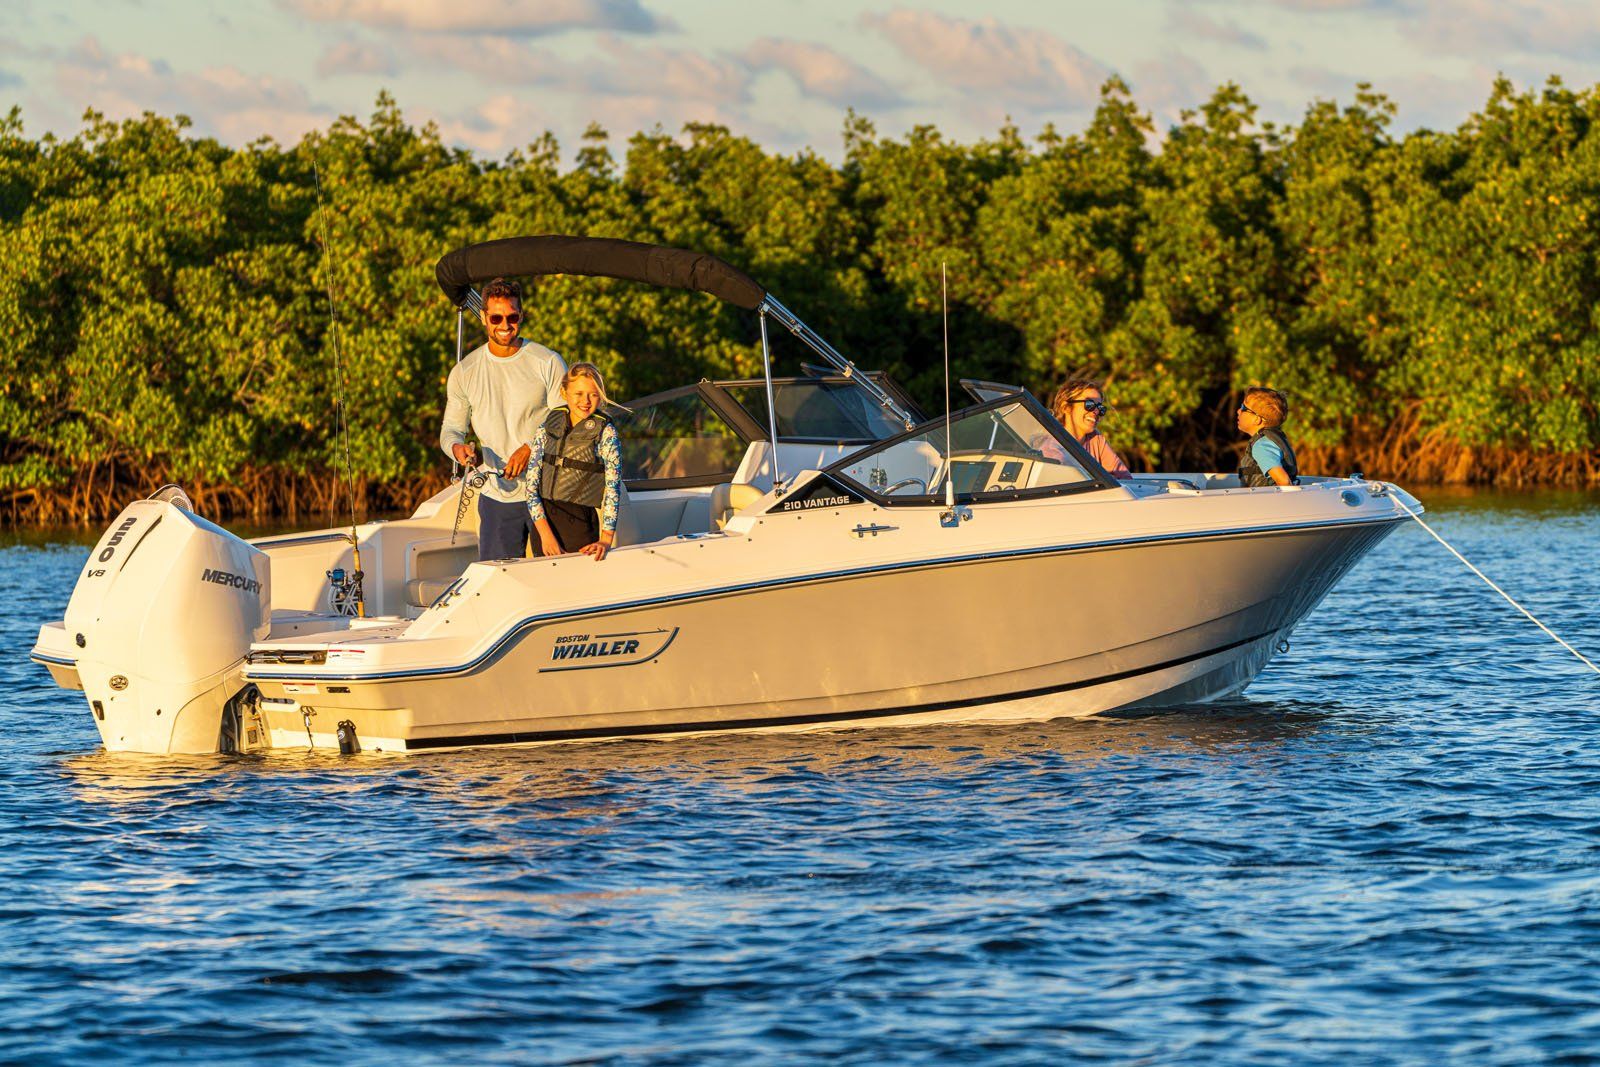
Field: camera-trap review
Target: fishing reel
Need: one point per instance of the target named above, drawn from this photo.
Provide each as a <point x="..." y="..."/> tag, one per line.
<point x="344" y="592"/>
<point x="472" y="479"/>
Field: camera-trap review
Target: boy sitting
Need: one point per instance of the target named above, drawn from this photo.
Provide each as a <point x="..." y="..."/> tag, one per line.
<point x="1269" y="459"/>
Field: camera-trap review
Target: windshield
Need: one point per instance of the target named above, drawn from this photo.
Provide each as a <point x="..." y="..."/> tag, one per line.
<point x="818" y="410"/>
<point x="984" y="392"/>
<point x="677" y="438"/>
<point x="998" y="451"/>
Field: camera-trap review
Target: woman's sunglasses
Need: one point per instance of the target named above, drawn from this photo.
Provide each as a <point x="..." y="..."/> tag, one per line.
<point x="510" y="320"/>
<point x="1098" y="407"/>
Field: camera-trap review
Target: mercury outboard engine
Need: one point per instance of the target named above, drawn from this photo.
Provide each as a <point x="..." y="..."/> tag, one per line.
<point x="161" y="619"/>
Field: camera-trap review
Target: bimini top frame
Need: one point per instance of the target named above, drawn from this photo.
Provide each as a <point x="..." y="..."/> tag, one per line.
<point x="671" y="268"/>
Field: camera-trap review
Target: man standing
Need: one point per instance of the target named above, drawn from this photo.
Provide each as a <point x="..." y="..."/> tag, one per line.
<point x="502" y="390"/>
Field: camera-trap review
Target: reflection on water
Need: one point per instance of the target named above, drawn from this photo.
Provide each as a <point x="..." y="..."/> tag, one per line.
<point x="1386" y="853"/>
<point x="747" y="762"/>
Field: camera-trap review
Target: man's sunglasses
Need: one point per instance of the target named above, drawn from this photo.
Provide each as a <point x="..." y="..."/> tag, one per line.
<point x="1244" y="409"/>
<point x="1098" y="407"/>
<point x="510" y="320"/>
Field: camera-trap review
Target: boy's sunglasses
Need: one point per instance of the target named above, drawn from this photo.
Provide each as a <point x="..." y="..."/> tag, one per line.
<point x="510" y="320"/>
<point x="1244" y="409"/>
<point x="1098" y="407"/>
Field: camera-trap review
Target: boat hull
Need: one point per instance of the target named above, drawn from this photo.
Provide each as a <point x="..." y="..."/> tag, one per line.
<point x="1027" y="634"/>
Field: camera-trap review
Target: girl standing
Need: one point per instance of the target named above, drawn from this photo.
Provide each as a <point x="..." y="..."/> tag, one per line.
<point x="576" y="469"/>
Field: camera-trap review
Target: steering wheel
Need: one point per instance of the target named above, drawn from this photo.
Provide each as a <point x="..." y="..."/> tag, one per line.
<point x="903" y="482"/>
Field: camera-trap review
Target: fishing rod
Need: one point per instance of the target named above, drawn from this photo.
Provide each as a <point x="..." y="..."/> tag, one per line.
<point x="345" y="592"/>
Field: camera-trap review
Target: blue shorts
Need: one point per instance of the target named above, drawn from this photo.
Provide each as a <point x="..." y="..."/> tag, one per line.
<point x="504" y="530"/>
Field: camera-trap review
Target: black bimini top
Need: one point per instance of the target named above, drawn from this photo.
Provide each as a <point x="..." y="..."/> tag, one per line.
<point x="597" y="257"/>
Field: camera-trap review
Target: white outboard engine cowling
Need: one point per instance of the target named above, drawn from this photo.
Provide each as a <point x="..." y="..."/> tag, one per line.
<point x="162" y="617"/>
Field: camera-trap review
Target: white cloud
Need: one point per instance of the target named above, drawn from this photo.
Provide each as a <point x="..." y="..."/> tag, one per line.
<point x="1170" y="83"/>
<point x="1190" y="23"/>
<point x="223" y="101"/>
<point x="1026" y="67"/>
<point x="356" y="57"/>
<point x="1483" y="29"/>
<point x="521" y="17"/>
<point x="672" y="75"/>
<point x="628" y="87"/>
<point x="1323" y="6"/>
<point x="822" y="73"/>
<point x="1423" y="100"/>
<point x="1489" y="30"/>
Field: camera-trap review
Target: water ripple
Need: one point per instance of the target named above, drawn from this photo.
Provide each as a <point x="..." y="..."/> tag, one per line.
<point x="1389" y="853"/>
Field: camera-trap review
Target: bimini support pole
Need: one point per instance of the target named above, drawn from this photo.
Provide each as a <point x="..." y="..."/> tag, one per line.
<point x="461" y="318"/>
<point x="770" y="305"/>
<point x="772" y="408"/>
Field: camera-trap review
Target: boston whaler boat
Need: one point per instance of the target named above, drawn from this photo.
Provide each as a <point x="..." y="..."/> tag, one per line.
<point x="791" y="553"/>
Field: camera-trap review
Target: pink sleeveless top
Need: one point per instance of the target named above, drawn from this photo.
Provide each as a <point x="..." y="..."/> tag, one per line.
<point x="1097" y="447"/>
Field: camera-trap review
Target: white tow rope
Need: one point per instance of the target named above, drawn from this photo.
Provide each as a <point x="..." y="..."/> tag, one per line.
<point x="1557" y="638"/>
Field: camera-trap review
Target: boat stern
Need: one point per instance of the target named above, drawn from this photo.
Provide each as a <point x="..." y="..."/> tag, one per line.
<point x="157" y="629"/>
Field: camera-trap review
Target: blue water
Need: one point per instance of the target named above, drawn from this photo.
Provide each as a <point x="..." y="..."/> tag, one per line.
<point x="1388" y="853"/>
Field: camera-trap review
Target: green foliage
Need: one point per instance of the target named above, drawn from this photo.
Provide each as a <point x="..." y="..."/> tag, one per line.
<point x="166" y="297"/>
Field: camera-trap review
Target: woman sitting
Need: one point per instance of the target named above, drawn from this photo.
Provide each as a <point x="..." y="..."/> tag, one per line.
<point x="1079" y="405"/>
<point x="576" y="469"/>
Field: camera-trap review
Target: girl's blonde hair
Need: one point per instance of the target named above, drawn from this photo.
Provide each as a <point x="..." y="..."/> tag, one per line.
<point x="1071" y="389"/>
<point x="590" y="371"/>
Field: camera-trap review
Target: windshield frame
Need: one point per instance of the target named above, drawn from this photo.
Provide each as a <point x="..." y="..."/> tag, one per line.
<point x="1099" y="477"/>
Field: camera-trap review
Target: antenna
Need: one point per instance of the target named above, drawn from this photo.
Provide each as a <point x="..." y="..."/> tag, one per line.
<point x="952" y="516"/>
<point x="343" y="584"/>
<point x="949" y="468"/>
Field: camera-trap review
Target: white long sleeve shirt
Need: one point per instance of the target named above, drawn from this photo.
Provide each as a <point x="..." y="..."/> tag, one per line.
<point x="503" y="401"/>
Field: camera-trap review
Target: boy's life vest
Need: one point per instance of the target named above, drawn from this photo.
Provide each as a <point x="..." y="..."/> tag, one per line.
<point x="1251" y="476"/>
<point x="573" y="470"/>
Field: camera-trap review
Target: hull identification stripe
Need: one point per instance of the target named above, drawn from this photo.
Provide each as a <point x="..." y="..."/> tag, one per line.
<point x="516" y="629"/>
<point x="818" y="718"/>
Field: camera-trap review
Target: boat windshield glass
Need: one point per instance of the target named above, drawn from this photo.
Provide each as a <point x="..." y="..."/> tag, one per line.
<point x="1000" y="451"/>
<point x="819" y="410"/>
<point x="675" y="439"/>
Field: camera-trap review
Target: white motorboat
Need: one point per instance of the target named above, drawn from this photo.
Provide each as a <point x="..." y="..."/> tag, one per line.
<point x="793" y="553"/>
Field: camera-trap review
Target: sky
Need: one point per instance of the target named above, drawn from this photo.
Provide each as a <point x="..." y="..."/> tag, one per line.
<point x="496" y="74"/>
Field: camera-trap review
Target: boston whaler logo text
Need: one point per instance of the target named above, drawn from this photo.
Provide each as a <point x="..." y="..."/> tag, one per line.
<point x="609" y="650"/>
<point x="116" y="539"/>
<point x="579" y="646"/>
<point x="237" y="581"/>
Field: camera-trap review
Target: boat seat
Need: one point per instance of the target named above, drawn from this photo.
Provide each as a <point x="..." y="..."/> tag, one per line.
<point x="730" y="498"/>
<point x="420" y="592"/>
